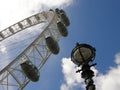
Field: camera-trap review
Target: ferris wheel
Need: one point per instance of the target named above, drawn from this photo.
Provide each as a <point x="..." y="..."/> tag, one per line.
<point x="26" y="65"/>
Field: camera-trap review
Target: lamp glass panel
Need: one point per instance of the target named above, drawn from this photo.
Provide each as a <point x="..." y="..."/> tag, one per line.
<point x="86" y="53"/>
<point x="77" y="56"/>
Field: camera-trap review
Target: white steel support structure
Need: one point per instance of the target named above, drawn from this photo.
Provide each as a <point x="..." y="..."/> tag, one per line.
<point x="12" y="76"/>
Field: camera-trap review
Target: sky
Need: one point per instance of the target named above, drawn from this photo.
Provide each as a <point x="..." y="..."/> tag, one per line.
<point x="94" y="22"/>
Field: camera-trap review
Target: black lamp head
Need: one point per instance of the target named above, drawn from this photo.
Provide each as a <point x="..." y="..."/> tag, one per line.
<point x="82" y="54"/>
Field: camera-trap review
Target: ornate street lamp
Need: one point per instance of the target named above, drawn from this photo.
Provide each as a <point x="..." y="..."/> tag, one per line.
<point x="82" y="55"/>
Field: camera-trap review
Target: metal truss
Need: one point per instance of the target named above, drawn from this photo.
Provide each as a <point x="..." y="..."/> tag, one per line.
<point x="12" y="77"/>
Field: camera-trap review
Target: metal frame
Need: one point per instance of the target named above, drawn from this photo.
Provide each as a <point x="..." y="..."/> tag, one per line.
<point x="12" y="75"/>
<point x="23" y="24"/>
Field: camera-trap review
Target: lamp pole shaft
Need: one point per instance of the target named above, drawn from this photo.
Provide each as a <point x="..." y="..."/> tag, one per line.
<point x="87" y="74"/>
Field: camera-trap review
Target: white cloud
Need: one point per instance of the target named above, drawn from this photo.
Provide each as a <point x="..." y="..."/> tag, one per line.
<point x="12" y="11"/>
<point x="2" y="49"/>
<point x="117" y="58"/>
<point x="108" y="81"/>
<point x="71" y="77"/>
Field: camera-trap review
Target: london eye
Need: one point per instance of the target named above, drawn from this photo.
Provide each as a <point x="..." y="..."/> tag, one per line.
<point x="31" y="41"/>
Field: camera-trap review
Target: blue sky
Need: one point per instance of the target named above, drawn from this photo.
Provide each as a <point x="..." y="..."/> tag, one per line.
<point x="95" y="22"/>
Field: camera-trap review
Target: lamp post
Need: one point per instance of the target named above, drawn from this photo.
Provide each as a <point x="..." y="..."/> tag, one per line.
<point x="82" y="55"/>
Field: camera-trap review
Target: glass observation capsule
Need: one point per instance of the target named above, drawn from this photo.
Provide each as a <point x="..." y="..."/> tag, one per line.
<point x="62" y="29"/>
<point x="64" y="17"/>
<point x="30" y="70"/>
<point x="62" y="14"/>
<point x="52" y="45"/>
